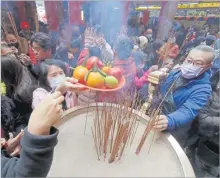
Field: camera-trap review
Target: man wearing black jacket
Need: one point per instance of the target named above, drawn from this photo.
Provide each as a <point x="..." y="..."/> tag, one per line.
<point x="37" y="143"/>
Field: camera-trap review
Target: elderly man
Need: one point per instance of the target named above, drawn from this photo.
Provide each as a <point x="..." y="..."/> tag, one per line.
<point x="190" y="93"/>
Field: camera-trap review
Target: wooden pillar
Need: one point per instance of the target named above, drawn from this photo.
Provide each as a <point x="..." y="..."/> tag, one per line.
<point x="21" y="10"/>
<point x="75" y="13"/>
<point x="51" y="8"/>
<point x="166" y="17"/>
<point x="126" y="11"/>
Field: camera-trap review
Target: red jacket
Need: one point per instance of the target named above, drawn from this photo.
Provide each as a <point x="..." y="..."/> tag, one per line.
<point x="84" y="53"/>
<point x="140" y="82"/>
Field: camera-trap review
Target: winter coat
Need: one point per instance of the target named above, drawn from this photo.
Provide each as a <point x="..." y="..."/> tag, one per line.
<point x="10" y="121"/>
<point x="35" y="158"/>
<point x="141" y="81"/>
<point x="208" y="119"/>
<point x="188" y="99"/>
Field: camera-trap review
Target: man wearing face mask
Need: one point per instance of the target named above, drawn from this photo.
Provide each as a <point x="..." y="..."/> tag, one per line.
<point x="149" y="35"/>
<point x="189" y="94"/>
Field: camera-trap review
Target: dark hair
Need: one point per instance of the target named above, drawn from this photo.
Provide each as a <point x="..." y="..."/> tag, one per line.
<point x="76" y="43"/>
<point x="43" y="82"/>
<point x="43" y="40"/>
<point x="209" y="42"/>
<point x="10" y="122"/>
<point x="95" y="51"/>
<point x="157" y="44"/>
<point x="17" y="79"/>
<point x="11" y="32"/>
<point x="123" y="47"/>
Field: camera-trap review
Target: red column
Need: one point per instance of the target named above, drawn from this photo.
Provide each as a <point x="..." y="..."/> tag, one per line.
<point x="146" y="17"/>
<point x="21" y="10"/>
<point x="51" y="8"/>
<point x="75" y="13"/>
<point x="166" y="17"/>
<point x="126" y="11"/>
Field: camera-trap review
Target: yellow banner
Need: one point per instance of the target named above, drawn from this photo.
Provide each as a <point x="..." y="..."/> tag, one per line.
<point x="186" y="6"/>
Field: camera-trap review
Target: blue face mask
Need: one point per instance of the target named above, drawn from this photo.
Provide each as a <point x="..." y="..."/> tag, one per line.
<point x="55" y="81"/>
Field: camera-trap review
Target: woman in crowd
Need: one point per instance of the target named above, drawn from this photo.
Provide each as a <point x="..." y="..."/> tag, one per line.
<point x="53" y="77"/>
<point x="20" y="85"/>
<point x="154" y="54"/>
<point x="12" y="40"/>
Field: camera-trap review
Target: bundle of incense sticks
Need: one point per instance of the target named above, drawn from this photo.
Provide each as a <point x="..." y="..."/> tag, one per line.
<point x="11" y="19"/>
<point x="115" y="126"/>
<point x="153" y="119"/>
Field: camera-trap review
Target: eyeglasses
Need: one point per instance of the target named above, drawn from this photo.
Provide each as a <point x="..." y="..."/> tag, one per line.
<point x="194" y="62"/>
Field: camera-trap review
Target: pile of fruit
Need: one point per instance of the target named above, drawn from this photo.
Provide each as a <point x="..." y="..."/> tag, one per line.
<point x="94" y="74"/>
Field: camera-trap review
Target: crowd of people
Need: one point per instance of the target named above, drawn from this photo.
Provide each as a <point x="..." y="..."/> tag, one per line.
<point x="37" y="86"/>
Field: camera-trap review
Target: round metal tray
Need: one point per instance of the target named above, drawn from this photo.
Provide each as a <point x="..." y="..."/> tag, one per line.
<point x="75" y="155"/>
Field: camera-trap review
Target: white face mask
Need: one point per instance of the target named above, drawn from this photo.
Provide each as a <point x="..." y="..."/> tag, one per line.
<point x="190" y="71"/>
<point x="149" y="35"/>
<point x="55" y="81"/>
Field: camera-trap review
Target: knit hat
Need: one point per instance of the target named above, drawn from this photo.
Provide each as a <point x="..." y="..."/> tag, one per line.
<point x="143" y="41"/>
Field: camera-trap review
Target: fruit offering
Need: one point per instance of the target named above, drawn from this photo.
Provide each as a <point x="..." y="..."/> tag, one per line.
<point x="79" y="73"/>
<point x="95" y="75"/>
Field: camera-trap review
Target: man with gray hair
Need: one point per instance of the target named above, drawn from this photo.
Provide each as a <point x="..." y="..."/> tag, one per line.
<point x="190" y="93"/>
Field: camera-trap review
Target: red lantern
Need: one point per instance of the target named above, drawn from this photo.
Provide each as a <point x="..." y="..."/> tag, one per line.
<point x="206" y="18"/>
<point x="187" y="18"/>
<point x="196" y="18"/>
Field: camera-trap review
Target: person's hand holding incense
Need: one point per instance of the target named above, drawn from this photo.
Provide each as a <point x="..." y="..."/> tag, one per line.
<point x="161" y="124"/>
<point x="153" y="68"/>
